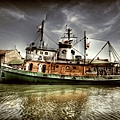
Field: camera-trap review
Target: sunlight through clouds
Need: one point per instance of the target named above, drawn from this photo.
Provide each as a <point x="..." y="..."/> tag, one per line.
<point x="100" y="20"/>
<point x="10" y="13"/>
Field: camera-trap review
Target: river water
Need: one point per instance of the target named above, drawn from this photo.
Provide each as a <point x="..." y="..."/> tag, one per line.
<point x="59" y="102"/>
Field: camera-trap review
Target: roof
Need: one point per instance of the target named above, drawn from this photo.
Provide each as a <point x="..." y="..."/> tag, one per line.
<point x="95" y="62"/>
<point x="17" y="61"/>
<point x="100" y="61"/>
<point x="42" y="49"/>
<point x="2" y="52"/>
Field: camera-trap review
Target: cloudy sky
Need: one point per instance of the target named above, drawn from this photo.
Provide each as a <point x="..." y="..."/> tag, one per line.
<point x="19" y="20"/>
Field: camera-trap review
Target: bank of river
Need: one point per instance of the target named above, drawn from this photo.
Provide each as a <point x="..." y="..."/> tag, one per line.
<point x="59" y="102"/>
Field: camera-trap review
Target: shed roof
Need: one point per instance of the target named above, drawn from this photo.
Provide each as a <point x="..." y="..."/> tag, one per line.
<point x="16" y="62"/>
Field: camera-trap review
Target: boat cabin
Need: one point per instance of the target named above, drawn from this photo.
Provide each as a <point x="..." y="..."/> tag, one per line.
<point x="73" y="69"/>
<point x="37" y="54"/>
<point x="64" y="60"/>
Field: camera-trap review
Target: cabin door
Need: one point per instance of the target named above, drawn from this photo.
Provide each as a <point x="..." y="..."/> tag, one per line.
<point x="31" y="66"/>
<point x="44" y="68"/>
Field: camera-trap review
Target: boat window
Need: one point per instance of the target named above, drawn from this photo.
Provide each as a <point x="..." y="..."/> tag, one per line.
<point x="31" y="51"/>
<point x="67" y="67"/>
<point x="94" y="69"/>
<point x="46" y="53"/>
<point x="40" y="58"/>
<point x="109" y="69"/>
<point x="41" y="52"/>
<point x="88" y="70"/>
<point x="36" y="51"/>
<point x="28" y="51"/>
<point x="44" y="68"/>
<point x="57" y="66"/>
<point x="63" y="51"/>
<point x="74" y="67"/>
<point x="73" y="52"/>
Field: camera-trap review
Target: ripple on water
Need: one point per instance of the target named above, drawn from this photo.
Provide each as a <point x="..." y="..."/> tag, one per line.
<point x="10" y="107"/>
<point x="26" y="102"/>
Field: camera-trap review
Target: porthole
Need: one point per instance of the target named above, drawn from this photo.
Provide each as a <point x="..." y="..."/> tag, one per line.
<point x="57" y="66"/>
<point x="40" y="58"/>
<point x="73" y="52"/>
<point x="41" y="52"/>
<point x="46" y="53"/>
<point x="64" y="51"/>
<point x="67" y="67"/>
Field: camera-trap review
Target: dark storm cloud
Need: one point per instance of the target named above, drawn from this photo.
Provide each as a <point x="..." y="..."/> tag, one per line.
<point x="19" y="20"/>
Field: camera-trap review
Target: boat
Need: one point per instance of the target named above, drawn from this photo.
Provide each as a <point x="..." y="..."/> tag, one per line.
<point x="44" y="65"/>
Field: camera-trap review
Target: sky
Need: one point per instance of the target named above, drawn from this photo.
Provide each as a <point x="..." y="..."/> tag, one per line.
<point x="19" y="20"/>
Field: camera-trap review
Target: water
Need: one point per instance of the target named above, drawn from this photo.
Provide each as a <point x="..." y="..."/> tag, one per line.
<point x="55" y="102"/>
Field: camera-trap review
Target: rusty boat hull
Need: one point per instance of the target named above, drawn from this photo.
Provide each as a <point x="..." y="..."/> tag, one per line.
<point x="26" y="77"/>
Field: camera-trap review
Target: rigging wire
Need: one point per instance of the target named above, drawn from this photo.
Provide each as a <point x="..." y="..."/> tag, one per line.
<point x="111" y="51"/>
<point x="50" y="38"/>
<point x="78" y="51"/>
<point x="72" y="47"/>
<point x="37" y="37"/>
<point x="114" y="56"/>
<point x="79" y="41"/>
<point x="115" y="53"/>
<point x="98" y="39"/>
<point x="98" y="52"/>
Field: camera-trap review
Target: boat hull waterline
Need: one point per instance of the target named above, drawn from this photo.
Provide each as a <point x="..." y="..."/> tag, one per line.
<point x="22" y="77"/>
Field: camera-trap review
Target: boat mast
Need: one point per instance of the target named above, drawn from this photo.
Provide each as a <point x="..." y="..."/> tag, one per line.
<point x="109" y="50"/>
<point x="41" y="31"/>
<point x="84" y="47"/>
<point x="69" y="33"/>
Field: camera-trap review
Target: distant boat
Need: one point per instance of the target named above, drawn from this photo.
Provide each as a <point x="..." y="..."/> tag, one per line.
<point x="43" y="65"/>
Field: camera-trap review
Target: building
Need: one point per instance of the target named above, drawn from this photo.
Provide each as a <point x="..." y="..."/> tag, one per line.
<point x="8" y="55"/>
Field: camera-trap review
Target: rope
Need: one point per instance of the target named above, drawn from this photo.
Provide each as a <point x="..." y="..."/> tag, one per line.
<point x="51" y="39"/>
<point x="37" y="37"/>
<point x="79" y="41"/>
<point x="98" y="39"/>
<point x="98" y="52"/>
<point x="78" y="51"/>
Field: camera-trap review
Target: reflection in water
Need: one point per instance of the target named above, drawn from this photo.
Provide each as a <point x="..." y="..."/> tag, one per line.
<point x="61" y="106"/>
<point x="44" y="102"/>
